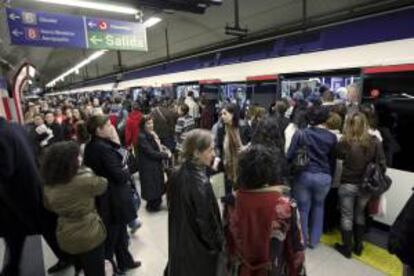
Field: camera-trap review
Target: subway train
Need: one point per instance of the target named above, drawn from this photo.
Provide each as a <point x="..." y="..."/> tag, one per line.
<point x="384" y="68"/>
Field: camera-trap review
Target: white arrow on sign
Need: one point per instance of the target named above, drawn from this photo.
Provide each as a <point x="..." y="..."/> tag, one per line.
<point x="17" y="33"/>
<point x="95" y="40"/>
<point x="14" y="16"/>
<point x="91" y="24"/>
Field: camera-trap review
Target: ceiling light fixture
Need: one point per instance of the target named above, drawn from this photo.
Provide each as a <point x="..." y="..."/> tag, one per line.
<point x="93" y="6"/>
<point x="75" y="69"/>
<point x="152" y="21"/>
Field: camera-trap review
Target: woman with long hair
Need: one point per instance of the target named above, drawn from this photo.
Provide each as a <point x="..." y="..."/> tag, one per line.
<point x="70" y="192"/>
<point x="357" y="148"/>
<point x="228" y="146"/>
<point x="194" y="225"/>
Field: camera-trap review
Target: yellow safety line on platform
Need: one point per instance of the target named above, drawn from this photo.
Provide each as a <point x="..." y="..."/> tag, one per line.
<point x="372" y="255"/>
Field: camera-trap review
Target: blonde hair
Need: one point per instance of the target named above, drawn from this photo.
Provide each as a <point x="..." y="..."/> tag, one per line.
<point x="334" y="121"/>
<point x="356" y="130"/>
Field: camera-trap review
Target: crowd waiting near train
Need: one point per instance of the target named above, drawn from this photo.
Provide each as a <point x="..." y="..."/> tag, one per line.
<point x="289" y="173"/>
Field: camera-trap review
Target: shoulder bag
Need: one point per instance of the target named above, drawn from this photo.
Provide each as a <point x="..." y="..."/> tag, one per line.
<point x="375" y="180"/>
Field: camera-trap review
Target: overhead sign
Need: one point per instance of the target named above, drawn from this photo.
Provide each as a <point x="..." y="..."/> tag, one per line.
<point x="115" y="35"/>
<point x="58" y="30"/>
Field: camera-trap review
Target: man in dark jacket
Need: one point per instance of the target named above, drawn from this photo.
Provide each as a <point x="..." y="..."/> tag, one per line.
<point x="20" y="193"/>
<point x="21" y="207"/>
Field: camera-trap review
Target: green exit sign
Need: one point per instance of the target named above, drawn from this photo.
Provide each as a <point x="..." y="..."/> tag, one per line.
<point x="113" y="41"/>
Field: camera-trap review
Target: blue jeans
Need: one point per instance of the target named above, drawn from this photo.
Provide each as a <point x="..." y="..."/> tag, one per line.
<point x="310" y="191"/>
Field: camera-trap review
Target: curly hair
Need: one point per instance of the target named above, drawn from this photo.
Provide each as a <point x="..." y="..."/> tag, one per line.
<point x="260" y="165"/>
<point x="60" y="163"/>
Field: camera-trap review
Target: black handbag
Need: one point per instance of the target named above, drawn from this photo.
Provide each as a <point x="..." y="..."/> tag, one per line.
<point x="375" y="180"/>
<point x="301" y="159"/>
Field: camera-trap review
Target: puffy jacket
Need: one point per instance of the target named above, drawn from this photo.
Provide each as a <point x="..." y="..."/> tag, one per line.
<point x="80" y="228"/>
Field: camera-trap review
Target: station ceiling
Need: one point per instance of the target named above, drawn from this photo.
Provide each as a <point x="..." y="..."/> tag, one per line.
<point x="189" y="30"/>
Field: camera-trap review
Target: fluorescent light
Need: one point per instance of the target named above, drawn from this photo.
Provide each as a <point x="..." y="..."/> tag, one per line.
<point x="75" y="69"/>
<point x="93" y="6"/>
<point x="152" y="21"/>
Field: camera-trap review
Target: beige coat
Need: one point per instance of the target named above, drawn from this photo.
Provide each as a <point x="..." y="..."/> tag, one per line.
<point x="79" y="228"/>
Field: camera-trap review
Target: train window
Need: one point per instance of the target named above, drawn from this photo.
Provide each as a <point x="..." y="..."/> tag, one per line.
<point x="393" y="97"/>
<point x="263" y="93"/>
<point x="182" y="90"/>
<point x="235" y="92"/>
<point x="305" y="87"/>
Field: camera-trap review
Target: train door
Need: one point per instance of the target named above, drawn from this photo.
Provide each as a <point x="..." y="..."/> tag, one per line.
<point x="391" y="90"/>
<point x="263" y="90"/>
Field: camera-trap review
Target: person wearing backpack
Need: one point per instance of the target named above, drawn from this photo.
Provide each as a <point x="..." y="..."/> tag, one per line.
<point x="313" y="148"/>
<point x="358" y="149"/>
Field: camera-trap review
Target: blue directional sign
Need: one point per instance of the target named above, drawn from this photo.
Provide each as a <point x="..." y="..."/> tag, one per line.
<point x="58" y="30"/>
<point x="45" y="29"/>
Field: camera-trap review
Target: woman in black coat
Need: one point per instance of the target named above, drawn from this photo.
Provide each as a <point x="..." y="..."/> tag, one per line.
<point x="115" y="206"/>
<point x="150" y="156"/>
<point x="194" y="225"/>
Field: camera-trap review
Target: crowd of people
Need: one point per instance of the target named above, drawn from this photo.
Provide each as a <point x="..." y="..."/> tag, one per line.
<point x="284" y="173"/>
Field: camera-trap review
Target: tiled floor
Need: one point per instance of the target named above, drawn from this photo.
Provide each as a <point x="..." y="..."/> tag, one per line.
<point x="150" y="246"/>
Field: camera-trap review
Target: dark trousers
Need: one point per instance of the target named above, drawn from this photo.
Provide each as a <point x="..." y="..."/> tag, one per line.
<point x="15" y="237"/>
<point x="49" y="225"/>
<point x="154" y="204"/>
<point x="331" y="210"/>
<point x="14" y="244"/>
<point x="117" y="244"/>
<point x="228" y="192"/>
<point x="92" y="262"/>
<point x="169" y="142"/>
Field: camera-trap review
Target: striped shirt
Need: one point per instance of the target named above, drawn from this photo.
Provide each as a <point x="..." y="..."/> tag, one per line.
<point x="183" y="126"/>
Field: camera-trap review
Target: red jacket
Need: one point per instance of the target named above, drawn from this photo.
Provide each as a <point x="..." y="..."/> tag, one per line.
<point x="132" y="128"/>
<point x="261" y="222"/>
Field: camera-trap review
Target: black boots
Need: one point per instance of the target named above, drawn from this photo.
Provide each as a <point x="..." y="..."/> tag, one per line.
<point x="346" y="248"/>
<point x="359" y="231"/>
